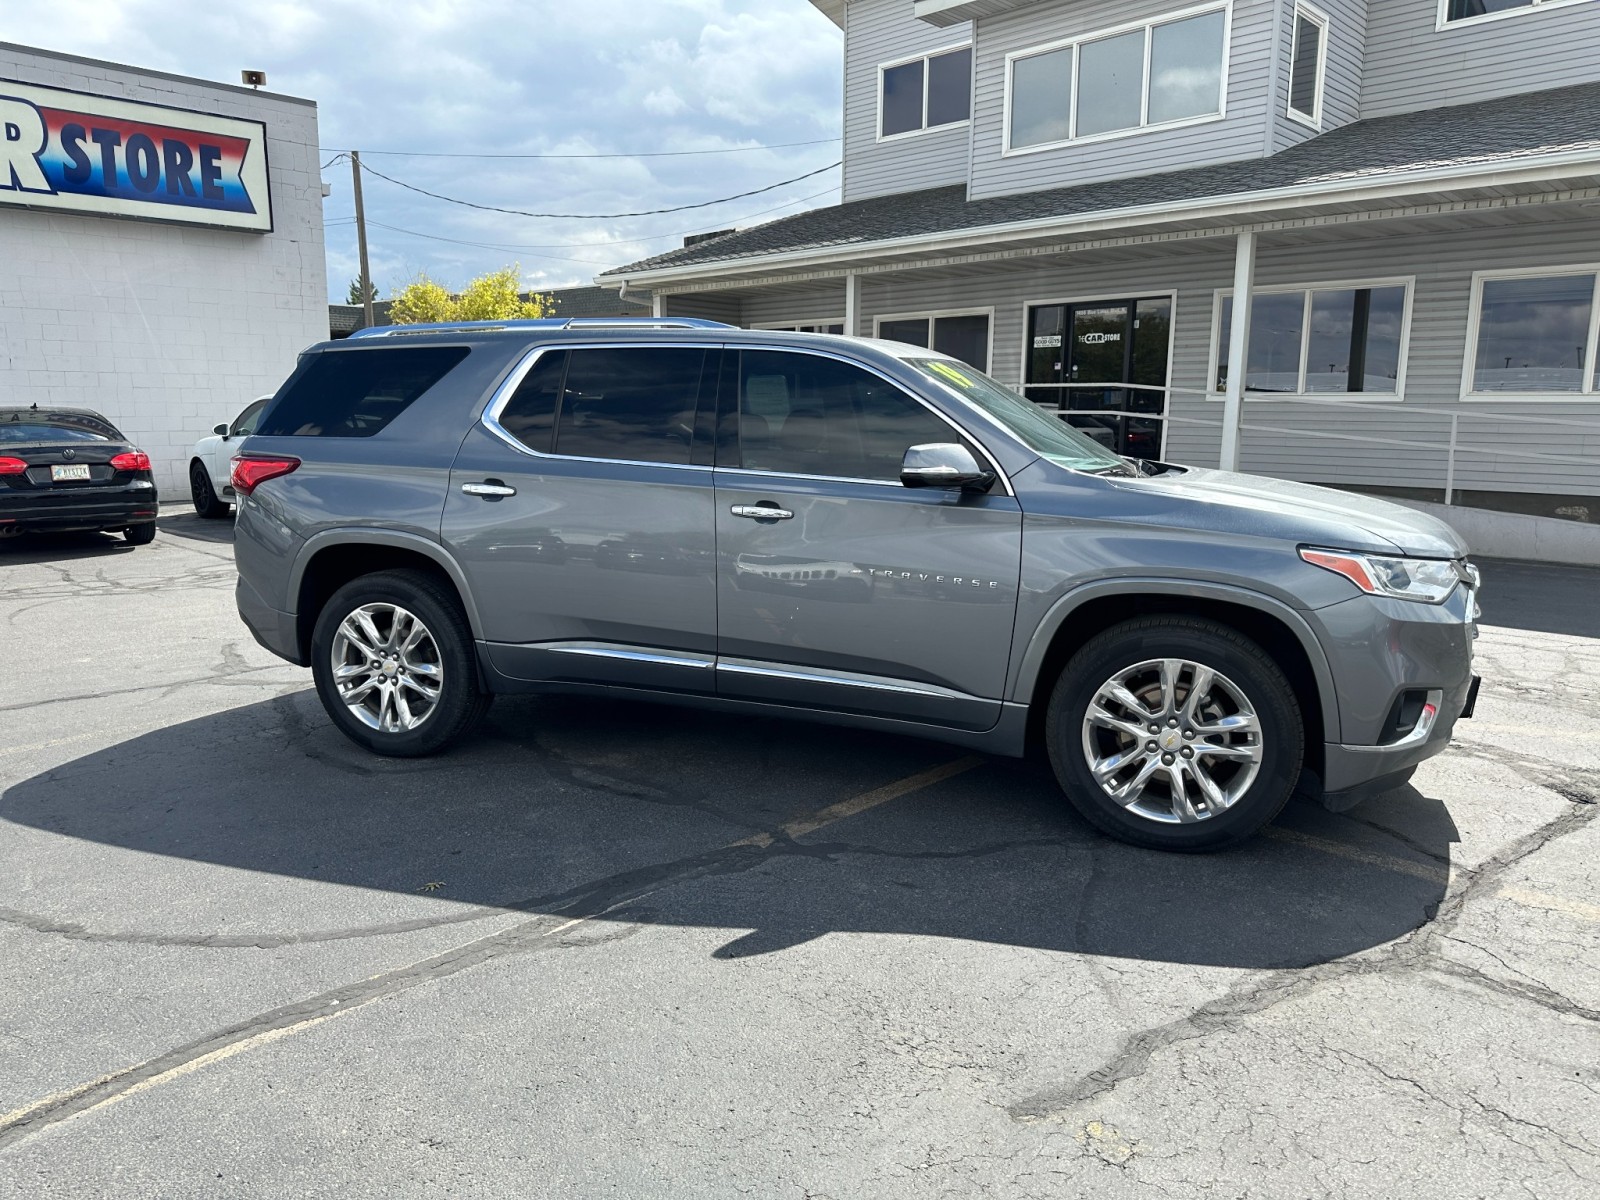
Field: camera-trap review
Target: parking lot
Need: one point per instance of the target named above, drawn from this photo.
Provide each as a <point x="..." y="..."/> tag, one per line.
<point x="623" y="950"/>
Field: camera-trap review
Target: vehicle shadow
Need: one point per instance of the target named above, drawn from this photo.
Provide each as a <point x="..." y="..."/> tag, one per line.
<point x="640" y="814"/>
<point x="1541" y="597"/>
<point x="32" y="548"/>
<point x="187" y="525"/>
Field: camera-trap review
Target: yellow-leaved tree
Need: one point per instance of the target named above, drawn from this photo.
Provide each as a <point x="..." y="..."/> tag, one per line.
<point x="491" y="297"/>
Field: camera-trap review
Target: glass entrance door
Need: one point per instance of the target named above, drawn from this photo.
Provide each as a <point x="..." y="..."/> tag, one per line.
<point x="1103" y="367"/>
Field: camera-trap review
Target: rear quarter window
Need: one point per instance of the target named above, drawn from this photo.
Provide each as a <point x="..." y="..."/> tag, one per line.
<point x="355" y="393"/>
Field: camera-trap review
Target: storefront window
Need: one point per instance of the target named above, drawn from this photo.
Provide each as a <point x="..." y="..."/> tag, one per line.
<point x="1534" y="334"/>
<point x="1325" y="340"/>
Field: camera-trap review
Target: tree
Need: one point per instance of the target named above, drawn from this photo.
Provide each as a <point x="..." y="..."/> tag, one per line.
<point x="354" y="295"/>
<point x="491" y="297"/>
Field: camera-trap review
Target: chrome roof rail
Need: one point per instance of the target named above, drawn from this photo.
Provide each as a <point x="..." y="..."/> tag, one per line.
<point x="373" y="331"/>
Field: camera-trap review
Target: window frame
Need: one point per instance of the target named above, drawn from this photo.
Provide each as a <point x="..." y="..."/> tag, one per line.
<point x="1443" y="24"/>
<point x="1076" y="42"/>
<point x="961" y="434"/>
<point x="1588" y="394"/>
<point x="927" y="75"/>
<point x="934" y="313"/>
<point x="1316" y="16"/>
<point x="507" y="388"/>
<point x="1214" y="360"/>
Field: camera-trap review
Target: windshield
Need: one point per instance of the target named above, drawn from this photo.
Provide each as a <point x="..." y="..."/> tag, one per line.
<point x="1047" y="436"/>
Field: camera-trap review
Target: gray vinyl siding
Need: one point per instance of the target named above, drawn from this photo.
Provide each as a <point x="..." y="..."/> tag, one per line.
<point x="711" y="306"/>
<point x="822" y="304"/>
<point x="1442" y="265"/>
<point x="1242" y="133"/>
<point x="1341" y="89"/>
<point x="880" y="31"/>
<point x="1411" y="65"/>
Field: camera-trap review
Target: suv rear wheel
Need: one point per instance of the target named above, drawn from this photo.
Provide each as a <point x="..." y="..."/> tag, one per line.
<point x="392" y="657"/>
<point x="1175" y="733"/>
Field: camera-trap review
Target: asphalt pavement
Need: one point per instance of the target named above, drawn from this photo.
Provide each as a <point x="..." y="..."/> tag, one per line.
<point x="623" y="950"/>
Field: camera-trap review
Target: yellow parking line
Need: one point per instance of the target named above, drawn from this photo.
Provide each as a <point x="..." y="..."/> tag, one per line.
<point x="795" y="828"/>
<point x="1405" y="866"/>
<point x="1581" y="909"/>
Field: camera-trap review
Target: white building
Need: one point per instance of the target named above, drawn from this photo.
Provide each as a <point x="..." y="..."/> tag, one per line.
<point x="170" y="296"/>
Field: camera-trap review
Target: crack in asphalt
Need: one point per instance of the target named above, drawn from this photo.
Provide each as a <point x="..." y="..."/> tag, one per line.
<point x="1417" y="951"/>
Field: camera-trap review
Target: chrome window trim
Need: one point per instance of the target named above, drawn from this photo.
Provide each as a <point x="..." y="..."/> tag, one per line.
<point x="1005" y="480"/>
<point x="508" y="387"/>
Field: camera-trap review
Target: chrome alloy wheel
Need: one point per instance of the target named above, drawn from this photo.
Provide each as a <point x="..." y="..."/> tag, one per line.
<point x="386" y="668"/>
<point x="1171" y="740"/>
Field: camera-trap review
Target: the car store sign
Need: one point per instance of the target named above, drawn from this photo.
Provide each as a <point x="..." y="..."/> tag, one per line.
<point x="73" y="152"/>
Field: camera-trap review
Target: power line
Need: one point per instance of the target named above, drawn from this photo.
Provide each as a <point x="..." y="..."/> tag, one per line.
<point x="591" y="262"/>
<point x="649" y="212"/>
<point x="653" y="237"/>
<point x="639" y="154"/>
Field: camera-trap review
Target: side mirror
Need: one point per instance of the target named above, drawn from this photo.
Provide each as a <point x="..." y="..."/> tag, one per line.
<point x="222" y="429"/>
<point x="944" y="465"/>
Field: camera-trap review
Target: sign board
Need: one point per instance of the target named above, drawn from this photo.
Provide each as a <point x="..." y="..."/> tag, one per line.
<point x="73" y="152"/>
<point x="1047" y="341"/>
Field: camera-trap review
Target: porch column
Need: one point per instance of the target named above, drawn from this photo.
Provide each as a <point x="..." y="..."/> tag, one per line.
<point x="852" y="304"/>
<point x="1244" y="271"/>
<point x="658" y="304"/>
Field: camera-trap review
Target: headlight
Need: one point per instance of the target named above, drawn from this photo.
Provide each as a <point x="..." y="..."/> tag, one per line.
<point x="1429" y="580"/>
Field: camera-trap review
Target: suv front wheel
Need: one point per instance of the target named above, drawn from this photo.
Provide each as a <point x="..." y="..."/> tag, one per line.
<point x="392" y="657"/>
<point x="1175" y="733"/>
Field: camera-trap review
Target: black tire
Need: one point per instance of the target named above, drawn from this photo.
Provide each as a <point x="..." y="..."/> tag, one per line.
<point x="460" y="704"/>
<point x="140" y="535"/>
<point x="1244" y="666"/>
<point x="206" y="502"/>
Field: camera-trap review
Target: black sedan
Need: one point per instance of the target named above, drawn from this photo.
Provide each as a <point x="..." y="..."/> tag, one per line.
<point x="68" y="468"/>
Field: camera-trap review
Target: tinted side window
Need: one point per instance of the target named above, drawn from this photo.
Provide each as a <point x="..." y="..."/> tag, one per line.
<point x="635" y="402"/>
<point x="802" y="414"/>
<point x="355" y="393"/>
<point x="245" y="424"/>
<point x="530" y="414"/>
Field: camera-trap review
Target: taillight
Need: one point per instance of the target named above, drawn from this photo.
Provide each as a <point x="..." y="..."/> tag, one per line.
<point x="250" y="473"/>
<point x="133" y="460"/>
<point x="12" y="466"/>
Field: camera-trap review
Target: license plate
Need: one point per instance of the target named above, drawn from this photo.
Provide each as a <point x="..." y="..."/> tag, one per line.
<point x="68" y="472"/>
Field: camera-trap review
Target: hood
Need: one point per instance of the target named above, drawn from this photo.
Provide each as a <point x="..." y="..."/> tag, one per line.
<point x="1243" y="506"/>
<point x="1301" y="512"/>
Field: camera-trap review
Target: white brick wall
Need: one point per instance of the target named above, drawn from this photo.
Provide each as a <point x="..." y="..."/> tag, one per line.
<point x="167" y="330"/>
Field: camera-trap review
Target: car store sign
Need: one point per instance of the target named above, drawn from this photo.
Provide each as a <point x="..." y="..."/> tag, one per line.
<point x="73" y="152"/>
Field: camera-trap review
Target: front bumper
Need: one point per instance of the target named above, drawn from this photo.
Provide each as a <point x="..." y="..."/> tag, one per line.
<point x="1382" y="650"/>
<point x="65" y="510"/>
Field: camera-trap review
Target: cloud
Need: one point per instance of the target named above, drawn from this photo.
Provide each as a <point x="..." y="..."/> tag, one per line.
<point x="512" y="77"/>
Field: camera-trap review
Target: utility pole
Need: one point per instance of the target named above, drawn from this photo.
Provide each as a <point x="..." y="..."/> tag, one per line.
<point x="361" y="241"/>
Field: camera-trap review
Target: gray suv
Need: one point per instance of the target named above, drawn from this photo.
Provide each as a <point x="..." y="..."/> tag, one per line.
<point x="857" y="532"/>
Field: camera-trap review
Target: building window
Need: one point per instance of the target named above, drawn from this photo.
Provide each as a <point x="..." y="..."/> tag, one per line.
<point x="821" y="327"/>
<point x="1307" y="62"/>
<point x="1343" y="340"/>
<point x="1156" y="73"/>
<point x="1455" y="12"/>
<point x="963" y="335"/>
<point x="1535" y="334"/>
<point x="927" y="92"/>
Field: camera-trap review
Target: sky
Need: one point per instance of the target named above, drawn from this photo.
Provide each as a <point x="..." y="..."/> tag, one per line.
<point x="512" y="77"/>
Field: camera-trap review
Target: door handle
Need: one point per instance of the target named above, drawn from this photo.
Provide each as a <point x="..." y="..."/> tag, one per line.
<point x="761" y="512"/>
<point x="488" y="489"/>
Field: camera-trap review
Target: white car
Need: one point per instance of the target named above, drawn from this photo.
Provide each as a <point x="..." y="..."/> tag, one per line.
<point x="209" y="461"/>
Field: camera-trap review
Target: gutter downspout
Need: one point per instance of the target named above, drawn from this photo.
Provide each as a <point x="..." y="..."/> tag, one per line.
<point x="1244" y="270"/>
